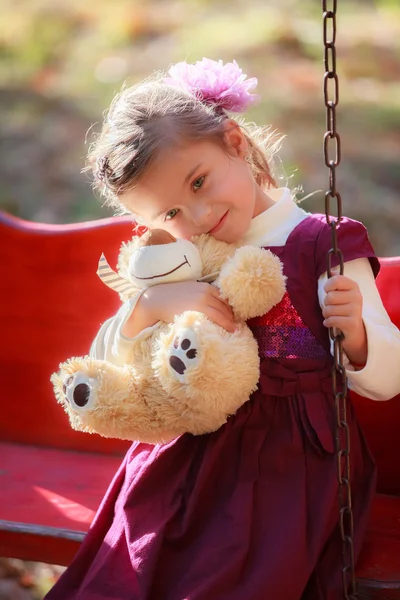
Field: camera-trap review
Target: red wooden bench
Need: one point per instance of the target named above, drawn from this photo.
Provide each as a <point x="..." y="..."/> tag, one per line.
<point x="52" y="478"/>
<point x="378" y="568"/>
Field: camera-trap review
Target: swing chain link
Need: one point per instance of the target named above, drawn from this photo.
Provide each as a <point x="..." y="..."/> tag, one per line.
<point x="339" y="379"/>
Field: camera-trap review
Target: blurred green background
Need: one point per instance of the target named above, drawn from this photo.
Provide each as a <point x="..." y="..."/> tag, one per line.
<point x="62" y="61"/>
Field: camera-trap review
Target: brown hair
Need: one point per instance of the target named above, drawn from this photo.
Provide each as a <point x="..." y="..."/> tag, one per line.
<point x="152" y="115"/>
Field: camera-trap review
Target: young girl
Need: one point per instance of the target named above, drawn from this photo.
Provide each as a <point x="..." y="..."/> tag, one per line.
<point x="251" y="511"/>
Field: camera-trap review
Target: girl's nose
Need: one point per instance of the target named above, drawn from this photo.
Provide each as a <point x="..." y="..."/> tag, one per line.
<point x="201" y="214"/>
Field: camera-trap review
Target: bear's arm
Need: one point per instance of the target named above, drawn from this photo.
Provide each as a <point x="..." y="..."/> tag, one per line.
<point x="213" y="253"/>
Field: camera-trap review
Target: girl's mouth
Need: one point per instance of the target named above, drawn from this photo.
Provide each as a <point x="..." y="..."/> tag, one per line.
<point x="220" y="224"/>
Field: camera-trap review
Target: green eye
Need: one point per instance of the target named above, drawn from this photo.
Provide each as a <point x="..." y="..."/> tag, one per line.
<point x="171" y="214"/>
<point x="197" y="183"/>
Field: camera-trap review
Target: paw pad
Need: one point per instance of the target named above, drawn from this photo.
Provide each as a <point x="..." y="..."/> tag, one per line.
<point x="80" y="391"/>
<point x="184" y="353"/>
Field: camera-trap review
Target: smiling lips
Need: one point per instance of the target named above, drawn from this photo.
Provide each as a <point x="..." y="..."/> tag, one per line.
<point x="219" y="224"/>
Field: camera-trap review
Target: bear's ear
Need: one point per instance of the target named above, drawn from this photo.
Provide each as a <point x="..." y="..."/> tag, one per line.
<point x="125" y="252"/>
<point x="157" y="237"/>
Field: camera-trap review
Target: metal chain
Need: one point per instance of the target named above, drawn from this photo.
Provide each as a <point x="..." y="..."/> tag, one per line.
<point x="339" y="380"/>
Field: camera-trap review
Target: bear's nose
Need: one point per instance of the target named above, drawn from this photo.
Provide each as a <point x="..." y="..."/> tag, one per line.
<point x="157" y="237"/>
<point x="81" y="394"/>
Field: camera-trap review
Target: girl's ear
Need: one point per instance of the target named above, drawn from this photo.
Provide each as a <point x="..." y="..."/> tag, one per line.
<point x="235" y="141"/>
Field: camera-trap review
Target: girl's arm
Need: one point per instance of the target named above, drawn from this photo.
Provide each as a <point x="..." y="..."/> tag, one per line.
<point x="138" y="317"/>
<point x="379" y="379"/>
<point x="162" y="302"/>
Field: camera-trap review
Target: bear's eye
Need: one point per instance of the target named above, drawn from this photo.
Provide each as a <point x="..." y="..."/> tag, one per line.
<point x="81" y="394"/>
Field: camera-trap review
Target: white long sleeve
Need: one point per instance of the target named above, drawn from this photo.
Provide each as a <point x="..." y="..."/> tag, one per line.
<point x="109" y="344"/>
<point x="380" y="378"/>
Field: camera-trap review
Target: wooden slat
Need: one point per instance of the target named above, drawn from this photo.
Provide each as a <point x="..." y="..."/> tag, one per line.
<point x="42" y="531"/>
<point x="30" y="546"/>
<point x="51" y="487"/>
<point x="48" y="499"/>
<point x="378" y="568"/>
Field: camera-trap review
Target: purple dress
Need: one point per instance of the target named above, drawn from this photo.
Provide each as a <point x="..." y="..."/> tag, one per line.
<point x="249" y="512"/>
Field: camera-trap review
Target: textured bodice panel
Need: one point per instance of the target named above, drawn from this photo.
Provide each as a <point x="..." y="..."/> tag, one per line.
<point x="282" y="333"/>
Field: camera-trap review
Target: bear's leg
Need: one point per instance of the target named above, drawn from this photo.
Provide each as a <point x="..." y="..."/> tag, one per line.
<point x="197" y="359"/>
<point x="118" y="402"/>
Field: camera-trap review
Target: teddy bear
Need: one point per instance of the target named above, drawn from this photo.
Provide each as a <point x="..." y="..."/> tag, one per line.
<point x="187" y="376"/>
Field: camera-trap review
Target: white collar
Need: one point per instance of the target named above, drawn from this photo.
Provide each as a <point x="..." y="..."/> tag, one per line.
<point x="273" y="226"/>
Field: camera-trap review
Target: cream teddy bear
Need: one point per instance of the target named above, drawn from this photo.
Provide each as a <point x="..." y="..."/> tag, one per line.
<point x="188" y="376"/>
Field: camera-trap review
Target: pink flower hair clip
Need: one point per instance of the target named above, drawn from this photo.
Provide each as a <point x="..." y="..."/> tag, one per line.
<point x="213" y="82"/>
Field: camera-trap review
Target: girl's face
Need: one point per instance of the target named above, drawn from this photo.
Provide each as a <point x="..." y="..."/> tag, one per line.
<point x="200" y="187"/>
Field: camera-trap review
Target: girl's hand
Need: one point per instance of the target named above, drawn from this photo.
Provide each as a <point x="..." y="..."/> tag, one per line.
<point x="343" y="310"/>
<point x="162" y="302"/>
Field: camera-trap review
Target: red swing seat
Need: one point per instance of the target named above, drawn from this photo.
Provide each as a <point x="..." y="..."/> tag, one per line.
<point x="53" y="478"/>
<point x="378" y="569"/>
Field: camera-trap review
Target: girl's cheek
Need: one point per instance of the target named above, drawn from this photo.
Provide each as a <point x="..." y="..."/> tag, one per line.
<point x="177" y="230"/>
<point x="184" y="234"/>
<point x="167" y="225"/>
